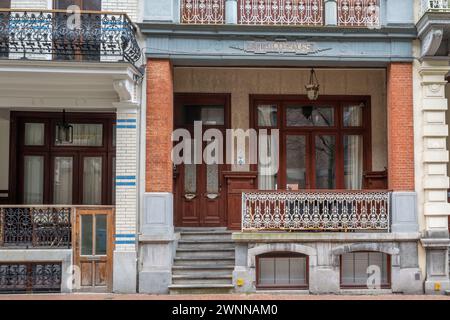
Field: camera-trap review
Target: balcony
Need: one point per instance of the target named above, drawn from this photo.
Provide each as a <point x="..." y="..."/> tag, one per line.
<point x="333" y="211"/>
<point x="435" y="6"/>
<point x="57" y="35"/>
<point x="347" y="13"/>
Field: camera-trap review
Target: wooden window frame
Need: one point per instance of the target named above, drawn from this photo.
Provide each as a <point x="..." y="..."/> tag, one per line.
<point x="387" y="285"/>
<point x="338" y="102"/>
<point x="282" y="255"/>
<point x="50" y="150"/>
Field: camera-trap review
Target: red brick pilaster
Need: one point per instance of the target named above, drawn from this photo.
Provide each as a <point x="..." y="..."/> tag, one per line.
<point x="159" y="126"/>
<point x="400" y="127"/>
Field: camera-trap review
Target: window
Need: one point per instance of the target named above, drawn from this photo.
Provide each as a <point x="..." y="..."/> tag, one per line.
<point x="324" y="144"/>
<point x="357" y="267"/>
<point x="5" y="4"/>
<point x="282" y="270"/>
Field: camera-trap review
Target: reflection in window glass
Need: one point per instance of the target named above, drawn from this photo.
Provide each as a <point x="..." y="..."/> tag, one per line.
<point x="92" y="180"/>
<point x="267" y="116"/>
<point x="34" y="134"/>
<point x="209" y="115"/>
<point x="267" y="165"/>
<point x="353" y="116"/>
<point x="101" y="234"/>
<point x="355" y="266"/>
<point x="296" y="162"/>
<point x="353" y="161"/>
<point x="282" y="271"/>
<point x="33" y="180"/>
<point x="62" y="180"/>
<point x="86" y="235"/>
<point x="325" y="162"/>
<point x="86" y="135"/>
<point x="309" y="116"/>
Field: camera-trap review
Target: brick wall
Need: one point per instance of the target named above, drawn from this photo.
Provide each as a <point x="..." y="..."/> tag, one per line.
<point x="400" y="127"/>
<point x="159" y="126"/>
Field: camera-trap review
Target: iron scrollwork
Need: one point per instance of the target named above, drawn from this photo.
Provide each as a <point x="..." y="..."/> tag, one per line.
<point x="44" y="35"/>
<point x="30" y="277"/>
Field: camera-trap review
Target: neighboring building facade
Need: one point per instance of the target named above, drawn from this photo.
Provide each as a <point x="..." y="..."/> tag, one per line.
<point x="69" y="182"/>
<point x="358" y="200"/>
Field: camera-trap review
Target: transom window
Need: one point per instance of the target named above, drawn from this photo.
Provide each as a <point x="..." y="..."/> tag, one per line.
<point x="51" y="171"/>
<point x="357" y="267"/>
<point x="323" y="144"/>
<point x="282" y="270"/>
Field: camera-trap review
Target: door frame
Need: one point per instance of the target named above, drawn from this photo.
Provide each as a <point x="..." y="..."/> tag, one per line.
<point x="76" y="239"/>
<point x="180" y="100"/>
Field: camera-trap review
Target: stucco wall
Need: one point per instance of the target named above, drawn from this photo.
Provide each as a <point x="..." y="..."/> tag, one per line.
<point x="4" y="149"/>
<point x="243" y="82"/>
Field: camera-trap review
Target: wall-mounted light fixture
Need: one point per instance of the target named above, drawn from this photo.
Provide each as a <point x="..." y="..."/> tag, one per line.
<point x="64" y="134"/>
<point x="312" y="89"/>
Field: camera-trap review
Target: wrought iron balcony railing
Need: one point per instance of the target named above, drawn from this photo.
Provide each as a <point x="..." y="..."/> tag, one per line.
<point x="35" y="227"/>
<point x="359" y="13"/>
<point x="435" y="6"/>
<point x="203" y="11"/>
<point x="316" y="211"/>
<point x="58" y="35"/>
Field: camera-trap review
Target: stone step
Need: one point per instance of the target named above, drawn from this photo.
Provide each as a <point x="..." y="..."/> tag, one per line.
<point x="202" y="279"/>
<point x="200" y="289"/>
<point x="201" y="229"/>
<point x="205" y="245"/>
<point x="205" y="253"/>
<point x="217" y="242"/>
<point x="193" y="261"/>
<point x="205" y="236"/>
<point x="203" y="270"/>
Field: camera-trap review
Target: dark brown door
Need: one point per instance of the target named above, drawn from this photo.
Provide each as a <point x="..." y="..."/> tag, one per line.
<point x="200" y="198"/>
<point x="94" y="249"/>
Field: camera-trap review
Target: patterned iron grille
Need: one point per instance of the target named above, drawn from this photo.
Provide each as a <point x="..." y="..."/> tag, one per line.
<point x="30" y="277"/>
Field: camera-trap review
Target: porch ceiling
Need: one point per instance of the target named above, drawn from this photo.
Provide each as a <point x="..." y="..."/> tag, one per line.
<point x="72" y="85"/>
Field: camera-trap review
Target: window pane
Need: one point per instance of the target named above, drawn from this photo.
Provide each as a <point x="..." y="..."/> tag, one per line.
<point x="282" y="271"/>
<point x="355" y="266"/>
<point x="5" y="4"/>
<point x="92" y="180"/>
<point x="101" y="234"/>
<point x="267" y="116"/>
<point x="34" y="134"/>
<point x="267" y="165"/>
<point x="308" y="116"/>
<point x="296" y="162"/>
<point x="63" y="176"/>
<point x="266" y="271"/>
<point x="353" y="162"/>
<point x="347" y="269"/>
<point x="209" y="115"/>
<point x="297" y="267"/>
<point x="86" y="235"/>
<point x="353" y="116"/>
<point x="212" y="178"/>
<point x="325" y="162"/>
<point x="361" y="264"/>
<point x="190" y="178"/>
<point x="33" y="180"/>
<point x="86" y="135"/>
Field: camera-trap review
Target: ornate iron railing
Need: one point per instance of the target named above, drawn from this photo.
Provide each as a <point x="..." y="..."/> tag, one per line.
<point x="203" y="11"/>
<point x="281" y="12"/>
<point x="35" y="227"/>
<point x="58" y="35"/>
<point x="435" y="6"/>
<point x="359" y="13"/>
<point x="316" y="210"/>
<point x="30" y="277"/>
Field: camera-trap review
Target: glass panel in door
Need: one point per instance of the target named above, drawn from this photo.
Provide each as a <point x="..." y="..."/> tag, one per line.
<point x="296" y="166"/>
<point x="92" y="180"/>
<point x="63" y="180"/>
<point x="33" y="190"/>
<point x="325" y="164"/>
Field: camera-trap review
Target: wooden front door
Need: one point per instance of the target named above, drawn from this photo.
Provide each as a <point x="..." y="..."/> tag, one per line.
<point x="200" y="197"/>
<point x="94" y="249"/>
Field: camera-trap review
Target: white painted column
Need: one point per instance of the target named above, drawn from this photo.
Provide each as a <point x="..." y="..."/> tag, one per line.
<point x="436" y="210"/>
<point x="331" y="13"/>
<point x="231" y="11"/>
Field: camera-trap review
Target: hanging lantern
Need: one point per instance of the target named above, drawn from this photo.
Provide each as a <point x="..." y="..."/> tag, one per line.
<point x="312" y="89"/>
<point x="64" y="134"/>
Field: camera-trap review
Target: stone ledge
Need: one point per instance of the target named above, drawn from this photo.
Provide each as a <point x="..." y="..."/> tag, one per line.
<point x="322" y="237"/>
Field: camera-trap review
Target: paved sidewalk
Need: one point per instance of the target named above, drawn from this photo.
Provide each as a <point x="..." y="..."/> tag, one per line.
<point x="250" y="297"/>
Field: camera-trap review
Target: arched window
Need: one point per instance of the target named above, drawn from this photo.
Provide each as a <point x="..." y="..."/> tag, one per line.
<point x="365" y="270"/>
<point x="285" y="270"/>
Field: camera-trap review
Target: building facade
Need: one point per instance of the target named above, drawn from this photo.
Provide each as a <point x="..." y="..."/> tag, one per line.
<point x="325" y="120"/>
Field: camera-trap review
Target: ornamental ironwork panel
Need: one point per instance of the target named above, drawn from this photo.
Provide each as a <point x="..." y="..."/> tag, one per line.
<point x="435" y="6"/>
<point x="359" y="13"/>
<point x="55" y="35"/>
<point x="36" y="227"/>
<point x="281" y="12"/>
<point x="322" y="211"/>
<point x="30" y="277"/>
<point x="203" y="11"/>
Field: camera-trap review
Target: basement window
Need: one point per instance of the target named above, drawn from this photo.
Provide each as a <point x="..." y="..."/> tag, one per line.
<point x="282" y="271"/>
<point x="365" y="270"/>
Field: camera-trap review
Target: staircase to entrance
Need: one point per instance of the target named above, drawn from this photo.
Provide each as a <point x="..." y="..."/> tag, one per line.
<point x="204" y="262"/>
